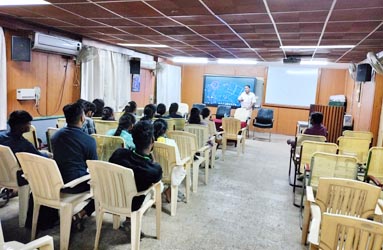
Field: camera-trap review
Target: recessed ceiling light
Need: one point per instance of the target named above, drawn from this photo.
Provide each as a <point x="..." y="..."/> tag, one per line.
<point x="236" y="61"/>
<point x="143" y="45"/>
<point x="319" y="47"/>
<point x="190" y="59"/>
<point x="22" y="2"/>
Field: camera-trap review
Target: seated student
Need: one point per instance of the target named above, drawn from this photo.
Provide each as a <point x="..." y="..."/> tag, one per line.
<point x="206" y="117"/>
<point x="316" y="128"/>
<point x="125" y="125"/>
<point x="149" y="111"/>
<point x="107" y="114"/>
<point x="71" y="148"/>
<point x="173" y="111"/>
<point x="130" y="108"/>
<point x="89" y="108"/>
<point x="161" y="110"/>
<point x="140" y="160"/>
<point x="99" y="107"/>
<point x="195" y="117"/>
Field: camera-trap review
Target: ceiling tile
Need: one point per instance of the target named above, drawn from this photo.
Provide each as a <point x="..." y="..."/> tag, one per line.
<point x="298" y="5"/>
<point x="216" y="29"/>
<point x="88" y="10"/>
<point x="222" y="37"/>
<point x="200" y="43"/>
<point x="254" y="28"/>
<point x="179" y="7"/>
<point x="236" y="6"/>
<point x="346" y="27"/>
<point x="19" y="12"/>
<point x="198" y="20"/>
<point x="299" y="27"/>
<point x="192" y="37"/>
<point x="115" y="21"/>
<point x="130" y="9"/>
<point x="375" y="14"/>
<point x="139" y="30"/>
<point x="307" y="35"/>
<point x="231" y="44"/>
<point x="155" y="21"/>
<point x="357" y="4"/>
<point x="48" y="21"/>
<point x="259" y="18"/>
<point x="344" y="35"/>
<point x="295" y="17"/>
<point x="174" y="30"/>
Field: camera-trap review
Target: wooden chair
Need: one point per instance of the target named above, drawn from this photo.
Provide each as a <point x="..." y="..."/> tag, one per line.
<point x="374" y="170"/>
<point x="107" y="144"/>
<point x="207" y="151"/>
<point x="165" y="155"/>
<point x="347" y="232"/>
<point x="46" y="183"/>
<point x="187" y="145"/>
<point x="32" y="137"/>
<point x="8" y="168"/>
<point x="232" y="131"/>
<point x="114" y="188"/>
<point x="104" y="126"/>
<point x="354" y="146"/>
<point x="340" y="196"/>
<point x="49" y="133"/>
<point x="326" y="165"/>
<point x="43" y="243"/>
<point x="61" y="122"/>
<point x="295" y="151"/>
<point x="179" y="123"/>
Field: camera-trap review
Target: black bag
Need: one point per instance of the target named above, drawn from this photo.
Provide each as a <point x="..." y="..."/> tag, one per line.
<point x="21" y="181"/>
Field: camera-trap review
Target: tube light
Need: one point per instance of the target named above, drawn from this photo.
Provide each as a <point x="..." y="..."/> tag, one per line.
<point x="23" y="2"/>
<point x="143" y="45"/>
<point x="318" y="47"/>
<point x="236" y="61"/>
<point x="190" y="59"/>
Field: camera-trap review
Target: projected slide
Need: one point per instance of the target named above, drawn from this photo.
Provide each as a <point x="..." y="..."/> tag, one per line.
<point x="224" y="90"/>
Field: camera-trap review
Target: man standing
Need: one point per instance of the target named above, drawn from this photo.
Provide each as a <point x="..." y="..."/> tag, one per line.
<point x="247" y="99"/>
<point x="71" y="148"/>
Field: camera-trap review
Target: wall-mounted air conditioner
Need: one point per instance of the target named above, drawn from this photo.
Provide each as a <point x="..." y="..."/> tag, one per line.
<point x="56" y="44"/>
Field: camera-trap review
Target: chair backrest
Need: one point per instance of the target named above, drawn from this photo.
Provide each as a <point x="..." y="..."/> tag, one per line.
<point x="8" y="167"/>
<point x="61" y="122"/>
<point x="332" y="165"/>
<point x="183" y="109"/>
<point x="107" y="144"/>
<point x="346" y="232"/>
<point x="359" y="134"/>
<point x="241" y="114"/>
<point x="49" y="133"/>
<point x="231" y="126"/>
<point x="104" y="126"/>
<point x="139" y="112"/>
<point x="165" y="155"/>
<point x="347" y="197"/>
<point x="308" y="148"/>
<point x="186" y="142"/>
<point x="300" y="138"/>
<point x="32" y="137"/>
<point x="374" y="163"/>
<point x="114" y="186"/>
<point x="199" y="106"/>
<point x="117" y="115"/>
<point x="43" y="176"/>
<point x="201" y="132"/>
<point x="264" y="116"/>
<point x="354" y="146"/>
<point x="179" y="123"/>
<point x="223" y="111"/>
<point x="171" y="123"/>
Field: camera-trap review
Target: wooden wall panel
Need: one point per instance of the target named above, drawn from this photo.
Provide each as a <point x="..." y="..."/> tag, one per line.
<point x="146" y="93"/>
<point x="331" y="82"/>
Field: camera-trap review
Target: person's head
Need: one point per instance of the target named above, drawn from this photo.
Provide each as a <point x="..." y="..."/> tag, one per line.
<point x="107" y="114"/>
<point x="194" y="117"/>
<point x="173" y="108"/>
<point x="161" y="109"/>
<point x="74" y="114"/>
<point x="160" y="126"/>
<point x="205" y="112"/>
<point x="99" y="106"/>
<point x="130" y="107"/>
<point x="316" y="118"/>
<point x="149" y="111"/>
<point x="143" y="136"/>
<point x="90" y="109"/>
<point x="125" y="122"/>
<point x="247" y="89"/>
<point x="20" y="121"/>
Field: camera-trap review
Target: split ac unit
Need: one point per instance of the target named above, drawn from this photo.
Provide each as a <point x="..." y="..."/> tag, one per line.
<point x="56" y="44"/>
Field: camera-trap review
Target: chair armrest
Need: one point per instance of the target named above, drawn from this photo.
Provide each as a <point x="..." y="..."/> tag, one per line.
<point x="183" y="161"/>
<point x="310" y="194"/>
<point x="315" y="224"/>
<point x="374" y="180"/>
<point x="77" y="181"/>
<point x="378" y="208"/>
<point x="40" y="242"/>
<point x="203" y="149"/>
<point x="145" y="192"/>
<point x="219" y="133"/>
<point x="380" y="203"/>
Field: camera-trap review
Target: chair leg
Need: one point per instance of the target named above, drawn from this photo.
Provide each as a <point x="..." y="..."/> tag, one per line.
<point x="173" y="201"/>
<point x="306" y="222"/>
<point x="207" y="156"/>
<point x="158" y="210"/>
<point x="224" y="144"/>
<point x="243" y="145"/>
<point x="116" y="221"/>
<point x="213" y="154"/>
<point x="195" y="177"/>
<point x="65" y="225"/>
<point x="100" y="216"/>
<point x="35" y="217"/>
<point x="135" y="231"/>
<point x="23" y="204"/>
<point x="187" y="182"/>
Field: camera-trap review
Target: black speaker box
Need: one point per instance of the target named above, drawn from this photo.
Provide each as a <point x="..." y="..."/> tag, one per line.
<point x="363" y="72"/>
<point x="135" y="65"/>
<point x="21" y="49"/>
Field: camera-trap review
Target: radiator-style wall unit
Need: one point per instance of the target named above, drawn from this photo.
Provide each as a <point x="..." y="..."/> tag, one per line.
<point x="332" y="119"/>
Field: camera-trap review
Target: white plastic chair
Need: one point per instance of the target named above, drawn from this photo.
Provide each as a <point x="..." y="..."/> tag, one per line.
<point x="183" y="109"/>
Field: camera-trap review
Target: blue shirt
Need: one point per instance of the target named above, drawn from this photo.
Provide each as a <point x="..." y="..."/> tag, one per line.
<point x="18" y="143"/>
<point x="126" y="136"/>
<point x="71" y="148"/>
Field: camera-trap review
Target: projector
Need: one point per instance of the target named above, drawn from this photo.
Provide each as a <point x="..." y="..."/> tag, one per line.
<point x="291" y="60"/>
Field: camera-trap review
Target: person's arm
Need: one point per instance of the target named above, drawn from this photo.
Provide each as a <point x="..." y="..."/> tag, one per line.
<point x="240" y="98"/>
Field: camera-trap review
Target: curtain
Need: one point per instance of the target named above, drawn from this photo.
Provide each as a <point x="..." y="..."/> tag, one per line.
<point x="3" y="82"/>
<point x="168" y="84"/>
<point x="106" y="75"/>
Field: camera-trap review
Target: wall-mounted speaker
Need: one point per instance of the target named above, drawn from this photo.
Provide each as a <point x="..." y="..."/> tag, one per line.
<point x="135" y="65"/>
<point x="21" y="49"/>
<point x="363" y="72"/>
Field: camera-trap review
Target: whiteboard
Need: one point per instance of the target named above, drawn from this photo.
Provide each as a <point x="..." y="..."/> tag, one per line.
<point x="291" y="86"/>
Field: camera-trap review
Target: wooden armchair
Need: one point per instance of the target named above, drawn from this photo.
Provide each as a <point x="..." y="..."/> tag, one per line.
<point x="233" y="131"/>
<point x="114" y="188"/>
<point x="46" y="183"/>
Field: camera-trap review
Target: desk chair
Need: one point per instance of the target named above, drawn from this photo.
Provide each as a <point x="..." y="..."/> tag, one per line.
<point x="223" y="111"/>
<point x="264" y="120"/>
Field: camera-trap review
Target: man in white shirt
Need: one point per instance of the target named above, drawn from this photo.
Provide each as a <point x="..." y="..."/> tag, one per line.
<point x="247" y="99"/>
